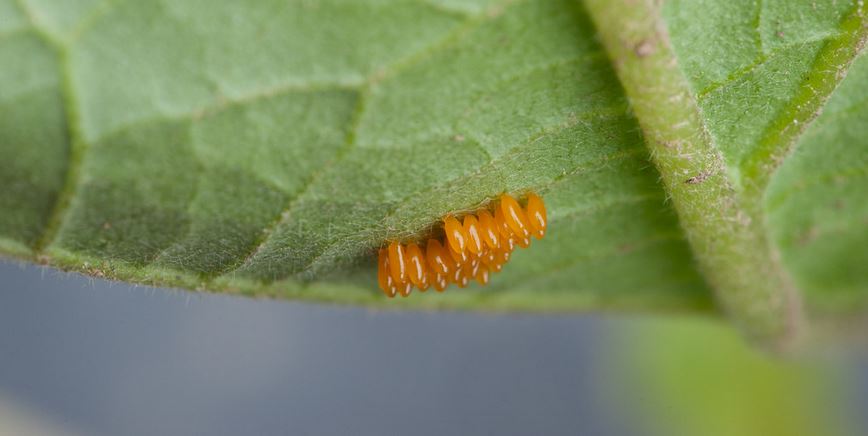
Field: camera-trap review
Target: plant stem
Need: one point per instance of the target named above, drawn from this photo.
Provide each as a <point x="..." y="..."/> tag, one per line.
<point x="727" y="235"/>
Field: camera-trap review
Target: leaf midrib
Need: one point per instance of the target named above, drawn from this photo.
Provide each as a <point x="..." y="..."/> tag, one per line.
<point x="768" y="313"/>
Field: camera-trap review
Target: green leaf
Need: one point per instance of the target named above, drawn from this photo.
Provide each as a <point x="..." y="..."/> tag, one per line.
<point x="720" y="125"/>
<point x="270" y="148"/>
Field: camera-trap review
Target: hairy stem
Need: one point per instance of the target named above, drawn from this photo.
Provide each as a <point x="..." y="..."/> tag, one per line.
<point x="728" y="238"/>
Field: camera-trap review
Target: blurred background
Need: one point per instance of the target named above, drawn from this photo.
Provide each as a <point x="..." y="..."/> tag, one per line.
<point x="80" y="356"/>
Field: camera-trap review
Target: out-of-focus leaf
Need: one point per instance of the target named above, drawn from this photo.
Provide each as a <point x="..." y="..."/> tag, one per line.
<point x="697" y="378"/>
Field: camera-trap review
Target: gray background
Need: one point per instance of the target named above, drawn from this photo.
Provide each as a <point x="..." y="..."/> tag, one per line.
<point x="102" y="358"/>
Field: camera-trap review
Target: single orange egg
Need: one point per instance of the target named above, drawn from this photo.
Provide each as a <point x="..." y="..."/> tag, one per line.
<point x="500" y="223"/>
<point x="455" y="234"/>
<point x="440" y="282"/>
<point x="536" y="214"/>
<point x="456" y="275"/>
<point x="397" y="263"/>
<point x="490" y="233"/>
<point x="474" y="266"/>
<point x="425" y="282"/>
<point x="384" y="274"/>
<point x="463" y="280"/>
<point x="474" y="239"/>
<point x="416" y="265"/>
<point x="438" y="258"/>
<point x="405" y="289"/>
<point x="508" y="245"/>
<point x="483" y="276"/>
<point x="514" y="215"/>
<point x="393" y="288"/>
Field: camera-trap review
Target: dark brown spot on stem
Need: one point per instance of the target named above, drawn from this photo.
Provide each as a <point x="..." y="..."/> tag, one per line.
<point x="699" y="178"/>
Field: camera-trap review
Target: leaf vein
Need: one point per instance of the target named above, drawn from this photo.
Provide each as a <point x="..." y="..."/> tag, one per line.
<point x="287" y="210"/>
<point x="782" y="134"/>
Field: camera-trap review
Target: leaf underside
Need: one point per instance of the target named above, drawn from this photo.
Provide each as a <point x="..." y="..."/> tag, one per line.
<point x="269" y="149"/>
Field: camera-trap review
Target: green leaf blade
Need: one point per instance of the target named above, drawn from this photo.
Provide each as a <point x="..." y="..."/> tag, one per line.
<point x="270" y="149"/>
<point x="816" y="202"/>
<point x="33" y="141"/>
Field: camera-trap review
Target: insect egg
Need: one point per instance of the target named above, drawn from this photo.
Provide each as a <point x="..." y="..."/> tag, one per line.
<point x="405" y="289"/>
<point x="514" y="216"/>
<point x="397" y="263"/>
<point x="508" y="246"/>
<point x="487" y="229"/>
<point x="473" y="248"/>
<point x="455" y="234"/>
<point x="502" y="256"/>
<point x="482" y="276"/>
<point x="474" y="239"/>
<point x="417" y="270"/>
<point x="437" y="257"/>
<point x="463" y="280"/>
<point x="440" y="282"/>
<point x="536" y="214"/>
<point x="457" y="275"/>
<point x="384" y="274"/>
<point x="500" y="223"/>
<point x="425" y="282"/>
<point x="393" y="289"/>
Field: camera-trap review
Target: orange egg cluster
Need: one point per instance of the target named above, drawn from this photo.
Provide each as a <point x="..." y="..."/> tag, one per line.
<point x="472" y="249"/>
